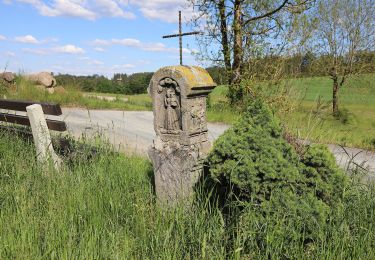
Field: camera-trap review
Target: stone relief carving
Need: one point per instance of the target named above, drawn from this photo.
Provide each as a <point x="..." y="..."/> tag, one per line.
<point x="198" y="115"/>
<point x="181" y="144"/>
<point x="172" y="116"/>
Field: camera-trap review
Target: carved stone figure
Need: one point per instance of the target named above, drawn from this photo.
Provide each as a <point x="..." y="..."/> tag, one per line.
<point x="171" y="117"/>
<point x="181" y="144"/>
<point x="170" y="91"/>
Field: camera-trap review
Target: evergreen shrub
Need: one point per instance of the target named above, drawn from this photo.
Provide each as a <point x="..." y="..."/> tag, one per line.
<point x="256" y="173"/>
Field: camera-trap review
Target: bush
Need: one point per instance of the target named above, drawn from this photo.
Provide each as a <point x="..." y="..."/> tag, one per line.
<point x="344" y="116"/>
<point x="257" y="175"/>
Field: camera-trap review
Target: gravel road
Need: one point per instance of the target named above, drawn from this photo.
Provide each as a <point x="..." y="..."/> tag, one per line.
<point x="130" y="131"/>
<point x="133" y="132"/>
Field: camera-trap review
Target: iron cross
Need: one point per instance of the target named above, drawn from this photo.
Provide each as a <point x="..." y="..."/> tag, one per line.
<point x="180" y="34"/>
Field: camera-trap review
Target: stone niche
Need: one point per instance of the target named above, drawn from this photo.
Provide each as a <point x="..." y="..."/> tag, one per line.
<point x="179" y="103"/>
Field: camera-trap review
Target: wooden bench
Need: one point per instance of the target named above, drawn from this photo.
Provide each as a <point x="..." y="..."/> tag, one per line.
<point x="40" y="126"/>
<point x="16" y="105"/>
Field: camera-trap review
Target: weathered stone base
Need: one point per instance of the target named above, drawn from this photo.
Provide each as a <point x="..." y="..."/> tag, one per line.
<point x="176" y="173"/>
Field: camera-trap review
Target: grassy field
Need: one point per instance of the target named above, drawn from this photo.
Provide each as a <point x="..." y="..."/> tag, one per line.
<point x="312" y="117"/>
<point x="104" y="208"/>
<point x="72" y="97"/>
<point x="309" y="115"/>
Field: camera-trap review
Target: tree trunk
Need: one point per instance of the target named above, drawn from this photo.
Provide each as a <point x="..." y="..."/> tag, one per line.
<point x="237" y="47"/>
<point x="224" y="38"/>
<point x="235" y="92"/>
<point x="335" y="96"/>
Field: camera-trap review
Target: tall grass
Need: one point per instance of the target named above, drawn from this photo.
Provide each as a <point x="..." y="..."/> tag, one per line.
<point x="105" y="207"/>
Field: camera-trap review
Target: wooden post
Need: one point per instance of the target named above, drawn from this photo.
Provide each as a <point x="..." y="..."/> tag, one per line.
<point x="41" y="135"/>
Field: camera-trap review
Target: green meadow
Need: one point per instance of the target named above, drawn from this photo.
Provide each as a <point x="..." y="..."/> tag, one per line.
<point x="307" y="109"/>
<point x="73" y="97"/>
<point x="104" y="208"/>
<point x="312" y="117"/>
<point x="308" y="114"/>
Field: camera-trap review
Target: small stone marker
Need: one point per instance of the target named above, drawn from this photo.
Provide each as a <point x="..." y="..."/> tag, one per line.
<point x="179" y="103"/>
<point x="41" y="135"/>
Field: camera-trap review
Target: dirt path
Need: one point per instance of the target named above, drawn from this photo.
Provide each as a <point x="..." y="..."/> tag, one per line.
<point x="133" y="132"/>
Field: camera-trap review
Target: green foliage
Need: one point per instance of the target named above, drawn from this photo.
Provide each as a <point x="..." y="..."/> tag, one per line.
<point x="371" y="141"/>
<point x="308" y="100"/>
<point x="298" y="65"/>
<point x="320" y="168"/>
<point x="105" y="208"/>
<point x="343" y="115"/>
<point x="253" y="168"/>
<point x="3" y="88"/>
<point x="218" y="74"/>
<point x="72" y="96"/>
<point x="102" y="208"/>
<point x="136" y="83"/>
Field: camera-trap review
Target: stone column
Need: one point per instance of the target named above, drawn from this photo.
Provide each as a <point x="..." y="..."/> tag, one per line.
<point x="179" y="103"/>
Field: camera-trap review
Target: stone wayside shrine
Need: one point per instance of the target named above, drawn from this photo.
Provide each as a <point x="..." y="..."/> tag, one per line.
<point x="179" y="103"/>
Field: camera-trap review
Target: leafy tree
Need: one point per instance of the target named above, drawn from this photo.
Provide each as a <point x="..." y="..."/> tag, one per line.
<point x="137" y="83"/>
<point x="243" y="30"/>
<point x="345" y="30"/>
<point x="120" y="83"/>
<point x="307" y="62"/>
<point x="218" y="74"/>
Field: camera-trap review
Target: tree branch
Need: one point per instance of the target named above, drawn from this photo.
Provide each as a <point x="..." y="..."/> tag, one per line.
<point x="267" y="14"/>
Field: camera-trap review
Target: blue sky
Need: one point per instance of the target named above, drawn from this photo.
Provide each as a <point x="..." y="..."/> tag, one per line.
<point x="85" y="37"/>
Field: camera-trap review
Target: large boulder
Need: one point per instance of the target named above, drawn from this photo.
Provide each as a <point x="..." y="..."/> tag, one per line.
<point x="42" y="78"/>
<point x="8" y="77"/>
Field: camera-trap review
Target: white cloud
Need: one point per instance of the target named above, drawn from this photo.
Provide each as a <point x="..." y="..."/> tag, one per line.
<point x="123" y="66"/>
<point x="134" y="43"/>
<point x="32" y="40"/>
<point x="165" y="10"/>
<point x="74" y="68"/>
<point x="99" y="49"/>
<point x="99" y="42"/>
<point x="2" y="37"/>
<point x="90" y="10"/>
<point x="27" y="39"/>
<point x="96" y="62"/>
<point x="90" y="61"/>
<point x="84" y="58"/>
<point x="65" y="49"/>
<point x="70" y="49"/>
<point x="112" y="9"/>
<point x="127" y="42"/>
<point x="9" y="54"/>
<point x="67" y="8"/>
<point x="36" y="51"/>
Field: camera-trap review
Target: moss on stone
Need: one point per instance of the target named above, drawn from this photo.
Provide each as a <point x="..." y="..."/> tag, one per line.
<point x="194" y="77"/>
